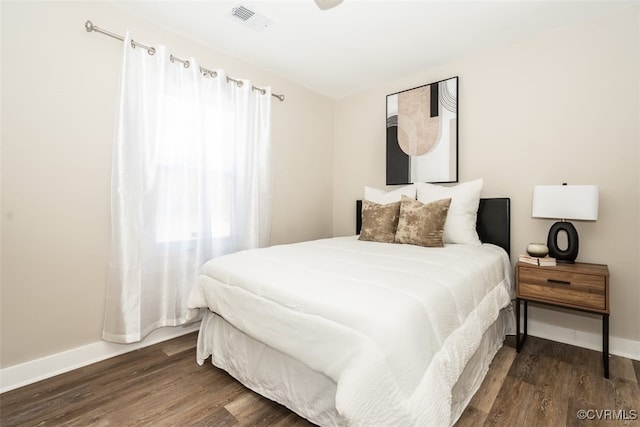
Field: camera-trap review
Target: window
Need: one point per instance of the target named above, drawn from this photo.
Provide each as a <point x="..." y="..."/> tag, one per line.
<point x="194" y="184"/>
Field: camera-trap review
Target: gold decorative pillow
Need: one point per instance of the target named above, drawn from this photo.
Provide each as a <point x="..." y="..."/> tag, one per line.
<point x="379" y="222"/>
<point x="422" y="223"/>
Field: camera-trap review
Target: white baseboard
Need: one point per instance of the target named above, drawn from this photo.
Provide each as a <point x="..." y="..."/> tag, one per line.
<point x="36" y="370"/>
<point x="593" y="341"/>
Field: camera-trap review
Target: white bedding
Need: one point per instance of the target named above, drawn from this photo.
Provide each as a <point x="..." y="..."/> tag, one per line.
<point x="392" y="325"/>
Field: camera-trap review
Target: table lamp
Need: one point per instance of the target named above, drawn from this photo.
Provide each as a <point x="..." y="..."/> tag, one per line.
<point x="563" y="202"/>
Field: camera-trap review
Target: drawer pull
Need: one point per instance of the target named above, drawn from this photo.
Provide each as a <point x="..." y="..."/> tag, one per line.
<point x="559" y="282"/>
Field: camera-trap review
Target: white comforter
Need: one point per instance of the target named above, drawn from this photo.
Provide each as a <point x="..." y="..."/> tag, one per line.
<point x="393" y="325"/>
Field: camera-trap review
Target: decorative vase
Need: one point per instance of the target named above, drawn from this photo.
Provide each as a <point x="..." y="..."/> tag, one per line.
<point x="537" y="249"/>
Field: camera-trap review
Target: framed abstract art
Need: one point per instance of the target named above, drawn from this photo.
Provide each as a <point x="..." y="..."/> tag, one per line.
<point x="422" y="134"/>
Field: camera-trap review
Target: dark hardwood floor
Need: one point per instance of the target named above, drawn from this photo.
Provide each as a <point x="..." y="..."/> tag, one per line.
<point x="554" y="384"/>
<point x="545" y="385"/>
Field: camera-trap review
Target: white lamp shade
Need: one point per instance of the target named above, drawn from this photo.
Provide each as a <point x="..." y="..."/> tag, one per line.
<point x="578" y="202"/>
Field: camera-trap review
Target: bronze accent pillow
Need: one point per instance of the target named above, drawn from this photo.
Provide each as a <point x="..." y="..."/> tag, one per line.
<point x="379" y="222"/>
<point x="422" y="223"/>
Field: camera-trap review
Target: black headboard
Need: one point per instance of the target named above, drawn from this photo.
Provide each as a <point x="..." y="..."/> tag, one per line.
<point x="493" y="224"/>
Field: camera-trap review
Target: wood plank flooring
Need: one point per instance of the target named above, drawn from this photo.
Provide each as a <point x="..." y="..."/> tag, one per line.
<point x="548" y="383"/>
<point x="545" y="385"/>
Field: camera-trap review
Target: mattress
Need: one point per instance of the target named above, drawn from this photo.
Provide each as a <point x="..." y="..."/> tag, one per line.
<point x="390" y="327"/>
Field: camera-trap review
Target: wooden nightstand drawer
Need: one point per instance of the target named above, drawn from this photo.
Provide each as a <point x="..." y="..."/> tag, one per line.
<point x="580" y="285"/>
<point x="562" y="287"/>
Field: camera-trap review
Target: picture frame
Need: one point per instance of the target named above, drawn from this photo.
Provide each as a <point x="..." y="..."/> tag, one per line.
<point x="422" y="134"/>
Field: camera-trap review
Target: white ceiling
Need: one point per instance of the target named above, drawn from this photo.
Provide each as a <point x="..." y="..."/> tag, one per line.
<point x="363" y="43"/>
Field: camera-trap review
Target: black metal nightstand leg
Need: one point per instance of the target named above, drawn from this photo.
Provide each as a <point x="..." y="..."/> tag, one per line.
<point x="605" y="344"/>
<point x="520" y="341"/>
<point x="517" y="325"/>
<point x="526" y="317"/>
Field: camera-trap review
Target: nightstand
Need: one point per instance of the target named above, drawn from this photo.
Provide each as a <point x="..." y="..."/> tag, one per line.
<point x="579" y="286"/>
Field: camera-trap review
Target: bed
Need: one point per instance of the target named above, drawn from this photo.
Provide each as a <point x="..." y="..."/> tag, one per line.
<point x="349" y="332"/>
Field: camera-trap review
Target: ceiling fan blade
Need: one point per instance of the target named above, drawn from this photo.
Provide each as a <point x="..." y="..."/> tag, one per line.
<point x="327" y="4"/>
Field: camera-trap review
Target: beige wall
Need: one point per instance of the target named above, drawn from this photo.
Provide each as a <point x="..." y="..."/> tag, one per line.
<point x="59" y="88"/>
<point x="562" y="107"/>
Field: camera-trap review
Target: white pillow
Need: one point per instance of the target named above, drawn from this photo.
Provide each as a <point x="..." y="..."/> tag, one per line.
<point x="460" y="226"/>
<point x="383" y="197"/>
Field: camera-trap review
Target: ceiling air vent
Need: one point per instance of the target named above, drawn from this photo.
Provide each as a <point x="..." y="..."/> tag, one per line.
<point x="242" y="13"/>
<point x="250" y="18"/>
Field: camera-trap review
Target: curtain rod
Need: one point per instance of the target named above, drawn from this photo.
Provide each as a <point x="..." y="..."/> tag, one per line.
<point x="151" y="50"/>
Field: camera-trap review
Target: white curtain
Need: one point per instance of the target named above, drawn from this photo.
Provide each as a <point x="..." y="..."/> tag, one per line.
<point x="190" y="181"/>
